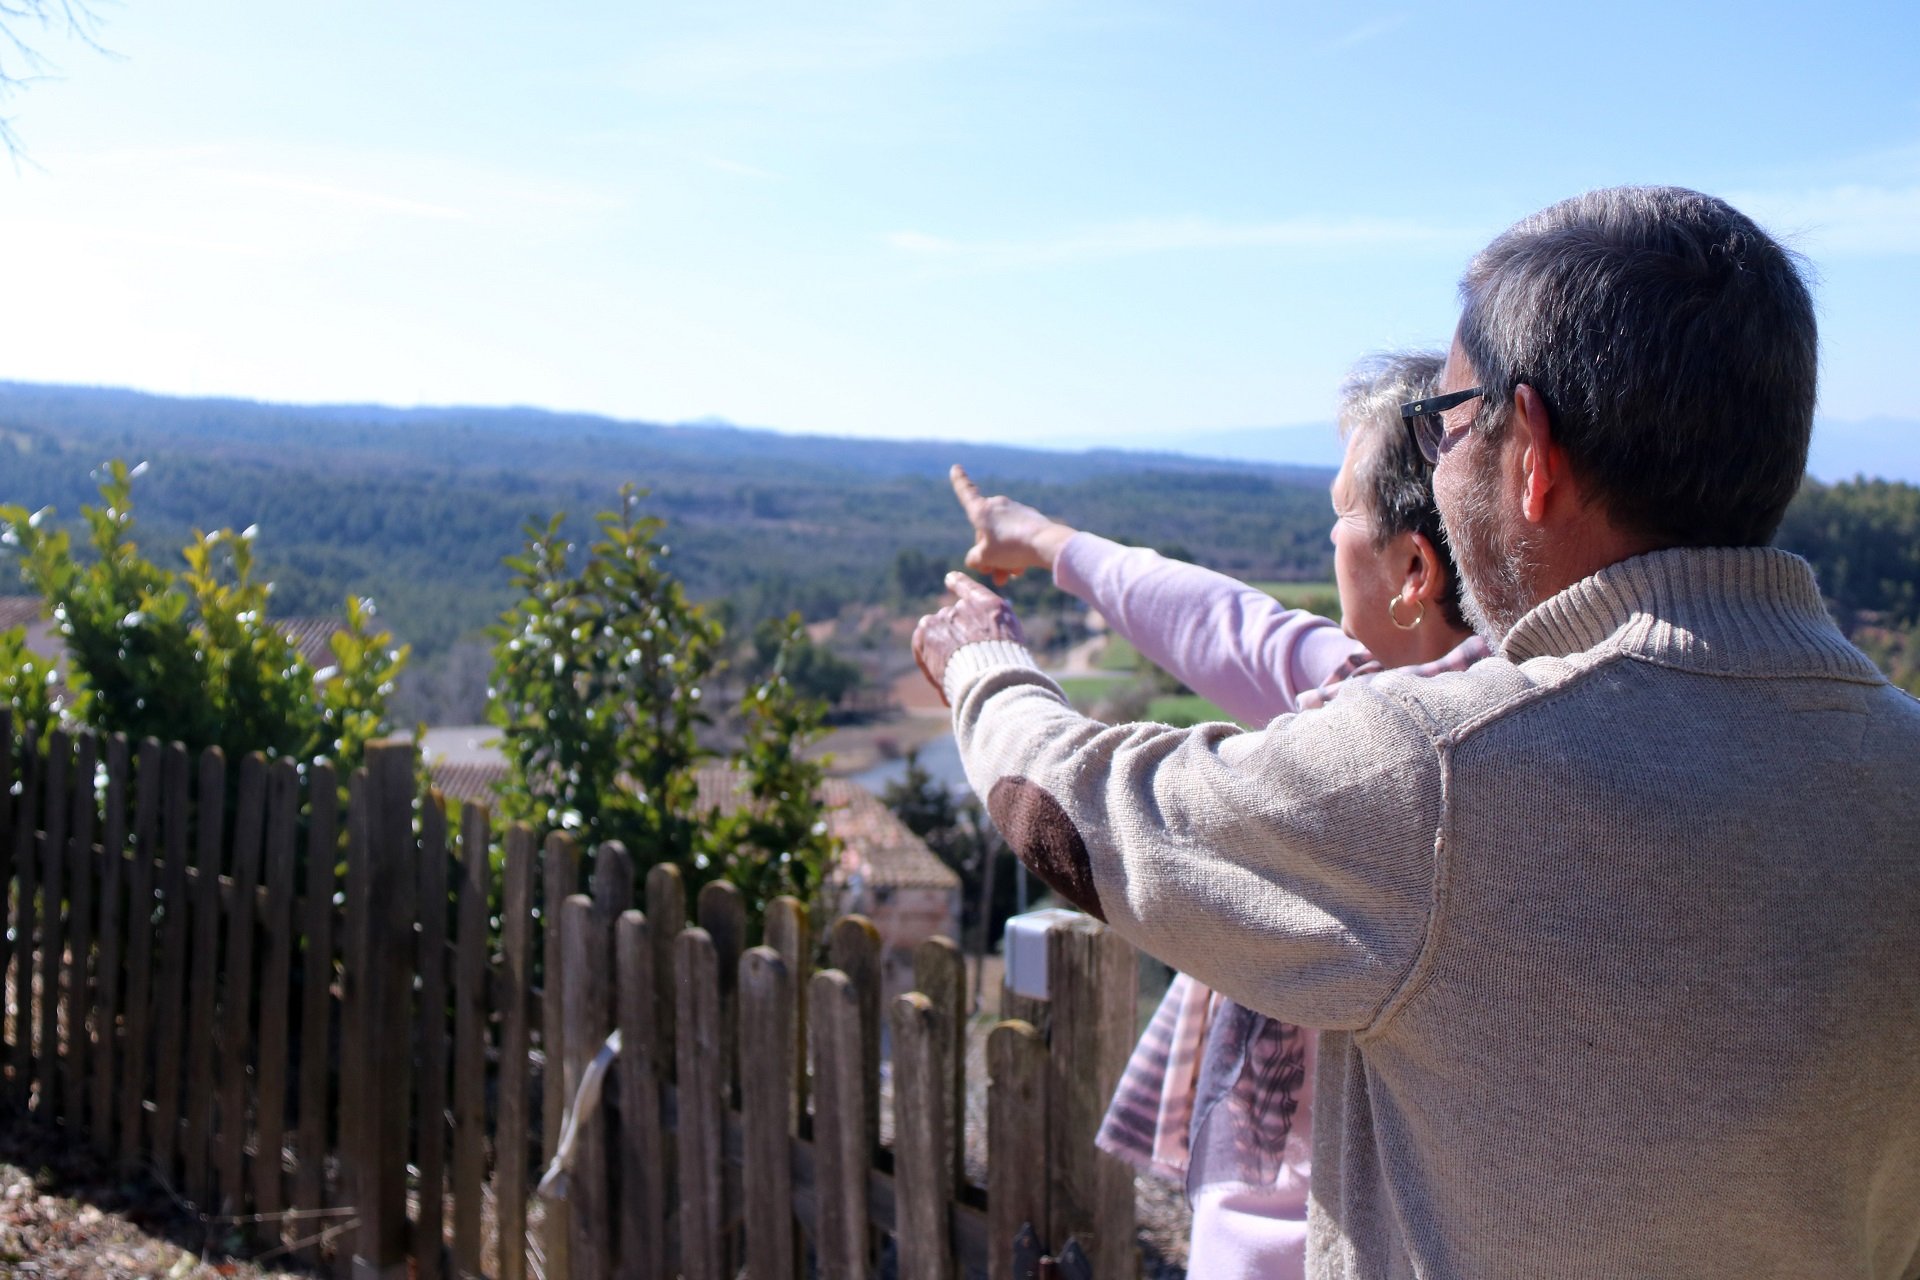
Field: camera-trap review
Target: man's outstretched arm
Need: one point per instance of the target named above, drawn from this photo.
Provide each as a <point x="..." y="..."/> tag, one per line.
<point x="1292" y="869"/>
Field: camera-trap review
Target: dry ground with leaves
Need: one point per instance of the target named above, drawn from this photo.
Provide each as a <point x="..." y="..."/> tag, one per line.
<point x="65" y="1213"/>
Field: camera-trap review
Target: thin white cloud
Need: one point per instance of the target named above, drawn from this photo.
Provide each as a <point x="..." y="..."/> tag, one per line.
<point x="1851" y="219"/>
<point x="1372" y="29"/>
<point x="1157" y="236"/>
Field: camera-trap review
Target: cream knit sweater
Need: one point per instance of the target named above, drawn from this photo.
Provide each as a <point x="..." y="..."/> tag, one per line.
<point x="1616" y="942"/>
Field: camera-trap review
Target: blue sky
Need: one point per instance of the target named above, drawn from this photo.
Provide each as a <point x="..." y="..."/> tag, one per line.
<point x="1048" y="223"/>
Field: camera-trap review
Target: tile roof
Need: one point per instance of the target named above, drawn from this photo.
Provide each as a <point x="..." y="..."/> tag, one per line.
<point x="876" y="846"/>
<point x="18" y="611"/>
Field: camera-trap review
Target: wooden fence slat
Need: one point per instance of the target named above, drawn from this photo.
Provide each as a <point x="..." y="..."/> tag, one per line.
<point x="923" y="1136"/>
<point x="703" y="1243"/>
<point x="316" y="994"/>
<point x="430" y="1041"/>
<point x="270" y="1110"/>
<point x="510" y="1158"/>
<point x="1016" y="1142"/>
<point x="236" y="994"/>
<point x="26" y="864"/>
<point x="1093" y="978"/>
<point x="391" y="854"/>
<point x="202" y="1000"/>
<point x="139" y="953"/>
<point x="940" y="974"/>
<point x="642" y="1244"/>
<point x="722" y="913"/>
<point x="170" y="979"/>
<point x="766" y="1113"/>
<point x="666" y="917"/>
<point x="841" y="1148"/>
<point x="470" y="1038"/>
<point x="83" y="875"/>
<point x="790" y="934"/>
<point x="106" y="1061"/>
<point x="583" y="998"/>
<point x="854" y="949"/>
<point x="9" y="838"/>
<point x="612" y="884"/>
<point x="559" y="879"/>
<point x="53" y="892"/>
<point x="359" y="1133"/>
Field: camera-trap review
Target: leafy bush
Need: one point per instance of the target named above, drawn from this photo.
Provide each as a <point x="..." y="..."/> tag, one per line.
<point x="189" y="657"/>
<point x="602" y="679"/>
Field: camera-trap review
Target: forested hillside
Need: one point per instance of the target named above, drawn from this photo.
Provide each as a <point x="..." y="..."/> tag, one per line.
<point x="417" y="508"/>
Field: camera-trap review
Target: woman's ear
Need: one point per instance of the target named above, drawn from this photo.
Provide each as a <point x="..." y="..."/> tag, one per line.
<point x="1426" y="573"/>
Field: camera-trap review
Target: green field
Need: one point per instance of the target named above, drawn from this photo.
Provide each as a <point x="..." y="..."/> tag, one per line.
<point x="1181" y="710"/>
<point x="1118" y="655"/>
<point x="1322" y="598"/>
<point x="1084" y="691"/>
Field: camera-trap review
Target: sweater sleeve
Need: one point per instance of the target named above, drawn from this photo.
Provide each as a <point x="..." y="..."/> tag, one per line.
<point x="1291" y="869"/>
<point x="1229" y="643"/>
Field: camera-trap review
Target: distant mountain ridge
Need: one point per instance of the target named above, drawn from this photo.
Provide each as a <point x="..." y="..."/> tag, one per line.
<point x="560" y="442"/>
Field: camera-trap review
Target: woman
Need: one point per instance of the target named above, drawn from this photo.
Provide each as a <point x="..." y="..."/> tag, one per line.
<point x="1217" y="1096"/>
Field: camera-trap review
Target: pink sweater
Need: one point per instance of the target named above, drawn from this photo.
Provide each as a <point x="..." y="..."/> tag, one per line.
<point x="1237" y="647"/>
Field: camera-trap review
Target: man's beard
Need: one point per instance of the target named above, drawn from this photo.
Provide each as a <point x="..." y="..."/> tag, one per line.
<point x="1492" y="550"/>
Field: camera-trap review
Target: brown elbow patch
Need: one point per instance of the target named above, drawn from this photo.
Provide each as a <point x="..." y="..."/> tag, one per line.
<point x="1044" y="837"/>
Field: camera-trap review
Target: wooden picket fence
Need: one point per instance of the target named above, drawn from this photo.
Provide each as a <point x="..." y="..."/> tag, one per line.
<point x="364" y="1072"/>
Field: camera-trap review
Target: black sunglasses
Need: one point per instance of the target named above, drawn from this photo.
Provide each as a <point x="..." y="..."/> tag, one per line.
<point x="1423" y="420"/>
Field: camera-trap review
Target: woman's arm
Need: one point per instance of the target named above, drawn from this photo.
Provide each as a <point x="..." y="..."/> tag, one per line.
<point x="1233" y="645"/>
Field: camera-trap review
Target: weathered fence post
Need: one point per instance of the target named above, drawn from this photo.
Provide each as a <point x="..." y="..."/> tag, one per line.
<point x="854" y="949"/>
<point x="236" y="996"/>
<point x="139" y="954"/>
<point x="470" y="1038"/>
<point x="1016" y="1141"/>
<point x="316" y="973"/>
<point x="53" y="858"/>
<point x="382" y="1253"/>
<point x="516" y="977"/>
<point x="766" y="1113"/>
<point x="790" y="934"/>
<point x="923" y="1128"/>
<point x="559" y="878"/>
<point x="1093" y="982"/>
<point x="83" y="874"/>
<point x="702" y="1093"/>
<point x="113" y="846"/>
<point x="26" y="871"/>
<point x="170" y="990"/>
<point x="642" y="1246"/>
<point x="940" y="974"/>
<point x="270" y="1113"/>
<point x="431" y="1037"/>
<point x="842" y="1151"/>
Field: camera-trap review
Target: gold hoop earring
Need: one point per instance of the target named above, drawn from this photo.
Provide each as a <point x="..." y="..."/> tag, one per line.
<point x="1418" y="617"/>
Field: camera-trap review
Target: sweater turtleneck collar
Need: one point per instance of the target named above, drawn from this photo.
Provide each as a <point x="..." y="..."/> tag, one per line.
<point x="1725" y="610"/>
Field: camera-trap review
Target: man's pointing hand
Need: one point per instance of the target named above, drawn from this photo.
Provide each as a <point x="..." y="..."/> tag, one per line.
<point x="976" y="614"/>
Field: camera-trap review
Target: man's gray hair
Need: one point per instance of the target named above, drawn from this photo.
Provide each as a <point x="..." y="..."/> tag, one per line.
<point x="1387" y="466"/>
<point x="1675" y="346"/>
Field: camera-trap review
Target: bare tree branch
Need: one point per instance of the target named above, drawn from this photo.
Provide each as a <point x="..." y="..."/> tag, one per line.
<point x="24" y="26"/>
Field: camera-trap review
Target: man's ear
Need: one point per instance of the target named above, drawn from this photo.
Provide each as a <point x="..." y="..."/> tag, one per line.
<point x="1543" y="463"/>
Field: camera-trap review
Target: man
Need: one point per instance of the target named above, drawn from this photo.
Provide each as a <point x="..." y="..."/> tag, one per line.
<point x="1615" y="938"/>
